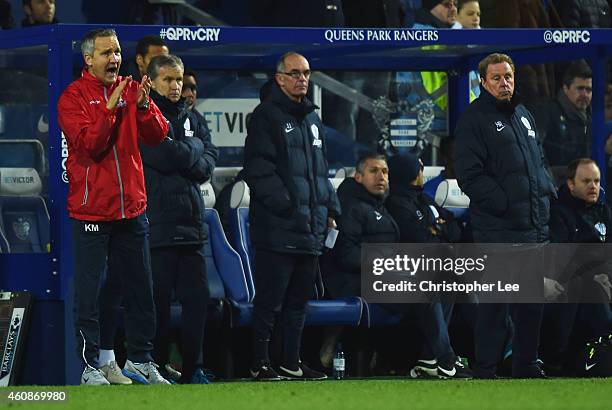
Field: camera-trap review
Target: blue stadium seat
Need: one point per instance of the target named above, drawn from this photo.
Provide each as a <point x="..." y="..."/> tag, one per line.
<point x="241" y="242"/>
<point x="24" y="121"/>
<point x="27" y="153"/>
<point x="318" y="312"/>
<point x="226" y="262"/>
<point x="25" y="222"/>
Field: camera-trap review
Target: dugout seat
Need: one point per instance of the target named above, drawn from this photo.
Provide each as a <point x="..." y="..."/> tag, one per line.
<point x="318" y="312"/>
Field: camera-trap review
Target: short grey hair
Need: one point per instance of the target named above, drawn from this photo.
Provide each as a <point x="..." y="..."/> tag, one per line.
<point x="88" y="42"/>
<point x="361" y="162"/>
<point x="280" y="65"/>
<point x="162" y="60"/>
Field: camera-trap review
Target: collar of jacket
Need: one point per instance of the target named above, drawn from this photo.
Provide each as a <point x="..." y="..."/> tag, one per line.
<point x="94" y="82"/>
<point x="167" y="107"/>
<point x="570" y="109"/>
<point x="567" y="199"/>
<point x="506" y="107"/>
<point x="298" y="109"/>
<point x="351" y="190"/>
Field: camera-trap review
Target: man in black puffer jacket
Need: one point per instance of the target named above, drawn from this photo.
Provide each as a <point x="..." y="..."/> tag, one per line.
<point x="364" y="220"/>
<point x="500" y="166"/>
<point x="174" y="171"/>
<point x="292" y="205"/>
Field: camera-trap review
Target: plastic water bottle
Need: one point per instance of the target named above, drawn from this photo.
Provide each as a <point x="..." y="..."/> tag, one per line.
<point x="339" y="363"/>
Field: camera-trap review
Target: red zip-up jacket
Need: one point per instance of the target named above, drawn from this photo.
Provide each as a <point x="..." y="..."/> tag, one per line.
<point x="105" y="172"/>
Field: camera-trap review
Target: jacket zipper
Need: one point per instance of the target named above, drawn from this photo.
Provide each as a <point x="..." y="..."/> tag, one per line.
<point x="310" y="165"/>
<point x="86" y="194"/>
<point x="118" y="170"/>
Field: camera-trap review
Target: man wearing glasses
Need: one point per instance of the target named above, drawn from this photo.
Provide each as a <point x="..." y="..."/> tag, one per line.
<point x="292" y="206"/>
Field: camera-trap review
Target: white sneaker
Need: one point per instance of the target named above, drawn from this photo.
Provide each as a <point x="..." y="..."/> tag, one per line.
<point x="113" y="374"/>
<point x="93" y="377"/>
<point x="144" y="373"/>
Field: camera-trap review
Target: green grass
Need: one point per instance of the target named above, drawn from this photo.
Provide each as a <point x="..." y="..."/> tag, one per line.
<point x="347" y="394"/>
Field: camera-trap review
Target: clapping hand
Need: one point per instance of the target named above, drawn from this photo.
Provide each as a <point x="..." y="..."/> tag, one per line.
<point x="143" y="92"/>
<point x="113" y="100"/>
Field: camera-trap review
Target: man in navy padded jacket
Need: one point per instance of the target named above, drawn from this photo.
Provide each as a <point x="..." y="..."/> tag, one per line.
<point x="500" y="166"/>
<point x="292" y="206"/>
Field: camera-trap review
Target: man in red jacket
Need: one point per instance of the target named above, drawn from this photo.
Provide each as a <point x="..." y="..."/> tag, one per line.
<point x="103" y="117"/>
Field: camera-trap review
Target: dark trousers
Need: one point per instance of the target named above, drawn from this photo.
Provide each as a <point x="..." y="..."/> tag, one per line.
<point x="433" y="322"/>
<point x="284" y="283"/>
<point x="125" y="245"/>
<point x="181" y="269"/>
<point x="568" y="326"/>
<point x="491" y="330"/>
<point x="110" y="308"/>
<point x="432" y="319"/>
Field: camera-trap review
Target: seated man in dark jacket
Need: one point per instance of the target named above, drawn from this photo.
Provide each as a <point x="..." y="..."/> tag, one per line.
<point x="580" y="215"/>
<point x="365" y="219"/>
<point x="173" y="173"/>
<point x="420" y="219"/>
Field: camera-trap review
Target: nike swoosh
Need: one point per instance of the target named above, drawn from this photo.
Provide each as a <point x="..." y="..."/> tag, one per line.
<point x="298" y="373"/>
<point x="588" y="367"/>
<point x="289" y="129"/>
<point x="448" y="373"/>
<point x="43" y="126"/>
<point x="145" y="375"/>
<point x="85" y="379"/>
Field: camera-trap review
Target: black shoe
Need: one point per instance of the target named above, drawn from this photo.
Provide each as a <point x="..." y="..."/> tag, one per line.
<point x="533" y="371"/>
<point x="265" y="373"/>
<point x="458" y="371"/>
<point x="303" y="372"/>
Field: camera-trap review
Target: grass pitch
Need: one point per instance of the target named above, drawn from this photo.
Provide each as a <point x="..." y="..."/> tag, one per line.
<point x="346" y="394"/>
